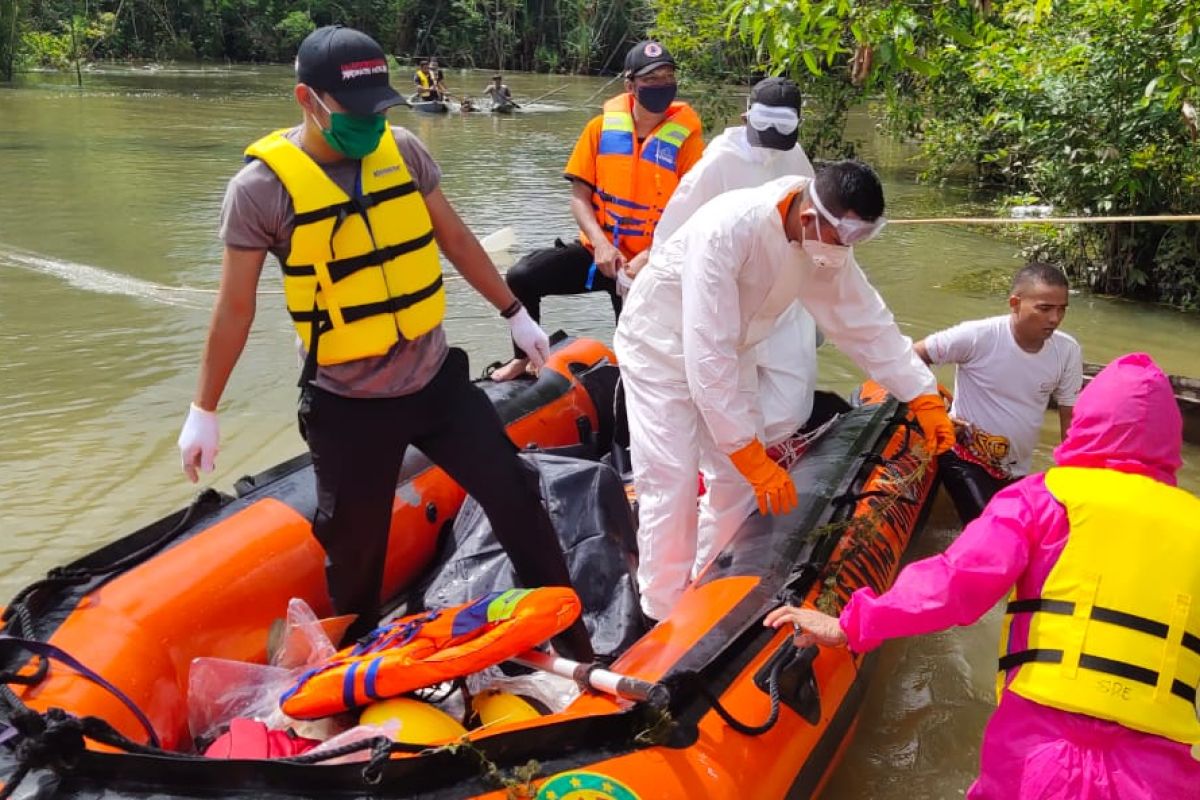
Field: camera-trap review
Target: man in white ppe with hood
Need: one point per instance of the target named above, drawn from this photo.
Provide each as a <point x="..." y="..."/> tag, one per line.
<point x="764" y="148"/>
<point x="685" y="344"/>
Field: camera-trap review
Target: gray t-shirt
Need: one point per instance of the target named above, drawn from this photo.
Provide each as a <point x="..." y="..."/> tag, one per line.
<point x="258" y="214"/>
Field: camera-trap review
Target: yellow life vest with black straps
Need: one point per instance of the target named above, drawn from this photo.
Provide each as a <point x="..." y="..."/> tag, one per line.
<point x="424" y="79"/>
<point x="635" y="180"/>
<point x="364" y="271"/>
<point x="1115" y="633"/>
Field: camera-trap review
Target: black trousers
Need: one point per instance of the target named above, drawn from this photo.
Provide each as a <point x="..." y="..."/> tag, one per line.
<point x="969" y="485"/>
<point x="357" y="447"/>
<point x="558" y="270"/>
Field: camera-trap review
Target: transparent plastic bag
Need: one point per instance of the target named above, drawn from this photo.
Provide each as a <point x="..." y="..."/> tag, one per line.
<point x="220" y="690"/>
<point x="552" y="691"/>
<point x="304" y="641"/>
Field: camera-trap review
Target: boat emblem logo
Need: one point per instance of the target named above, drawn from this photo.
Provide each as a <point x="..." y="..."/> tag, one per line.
<point x="585" y="786"/>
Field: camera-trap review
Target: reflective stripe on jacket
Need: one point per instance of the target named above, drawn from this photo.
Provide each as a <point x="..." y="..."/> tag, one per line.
<point x="635" y="180"/>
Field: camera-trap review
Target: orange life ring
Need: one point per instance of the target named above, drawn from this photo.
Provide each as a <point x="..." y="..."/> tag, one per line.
<point x="425" y="649"/>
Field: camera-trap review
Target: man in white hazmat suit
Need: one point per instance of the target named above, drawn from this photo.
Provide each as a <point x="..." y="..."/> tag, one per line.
<point x="762" y="149"/>
<point x="711" y="293"/>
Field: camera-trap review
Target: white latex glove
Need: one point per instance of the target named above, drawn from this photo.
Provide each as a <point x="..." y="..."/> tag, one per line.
<point x="530" y="337"/>
<point x="623" y="282"/>
<point x="198" y="442"/>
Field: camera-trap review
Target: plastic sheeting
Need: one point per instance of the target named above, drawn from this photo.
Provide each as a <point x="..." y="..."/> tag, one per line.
<point x="588" y="507"/>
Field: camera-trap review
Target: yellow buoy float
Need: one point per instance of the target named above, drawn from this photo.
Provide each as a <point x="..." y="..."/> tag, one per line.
<point x="493" y="707"/>
<point x="418" y="722"/>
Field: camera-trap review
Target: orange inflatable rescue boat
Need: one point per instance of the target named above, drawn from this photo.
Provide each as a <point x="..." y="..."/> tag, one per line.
<point x="95" y="657"/>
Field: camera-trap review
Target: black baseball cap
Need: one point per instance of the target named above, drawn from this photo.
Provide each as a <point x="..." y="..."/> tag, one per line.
<point x="645" y="57"/>
<point x="349" y="65"/>
<point x="776" y="92"/>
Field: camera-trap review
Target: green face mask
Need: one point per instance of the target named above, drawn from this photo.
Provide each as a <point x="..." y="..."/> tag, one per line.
<point x="351" y="135"/>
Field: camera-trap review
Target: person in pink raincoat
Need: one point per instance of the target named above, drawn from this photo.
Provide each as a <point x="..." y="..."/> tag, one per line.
<point x="1100" y="559"/>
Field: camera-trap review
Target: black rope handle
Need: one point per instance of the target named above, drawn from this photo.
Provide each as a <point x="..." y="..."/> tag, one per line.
<point x="773" y="693"/>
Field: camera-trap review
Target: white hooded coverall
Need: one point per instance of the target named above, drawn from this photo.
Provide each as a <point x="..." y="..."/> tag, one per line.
<point x="685" y="346"/>
<point x="787" y="372"/>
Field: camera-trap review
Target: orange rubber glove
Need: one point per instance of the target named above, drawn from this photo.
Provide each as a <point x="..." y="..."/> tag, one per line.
<point x="773" y="486"/>
<point x="930" y="411"/>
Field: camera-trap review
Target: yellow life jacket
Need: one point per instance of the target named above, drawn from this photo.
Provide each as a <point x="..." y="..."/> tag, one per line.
<point x="363" y="271"/>
<point x="426" y="80"/>
<point x="635" y="180"/>
<point x="1115" y="633"/>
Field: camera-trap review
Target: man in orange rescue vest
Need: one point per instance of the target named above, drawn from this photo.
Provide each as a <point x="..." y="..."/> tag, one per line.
<point x="623" y="170"/>
<point x="1100" y="650"/>
<point x="379" y="375"/>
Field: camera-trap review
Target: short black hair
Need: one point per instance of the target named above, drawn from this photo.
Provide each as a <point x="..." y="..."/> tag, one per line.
<point x="497" y="77"/>
<point x="850" y="186"/>
<point x="1039" y="272"/>
<point x="424" y="62"/>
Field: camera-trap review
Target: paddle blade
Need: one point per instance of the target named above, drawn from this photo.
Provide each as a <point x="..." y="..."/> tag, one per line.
<point x="499" y="241"/>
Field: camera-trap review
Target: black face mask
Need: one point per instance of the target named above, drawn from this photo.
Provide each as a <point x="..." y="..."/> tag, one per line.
<point x="771" y="138"/>
<point x="656" y="99"/>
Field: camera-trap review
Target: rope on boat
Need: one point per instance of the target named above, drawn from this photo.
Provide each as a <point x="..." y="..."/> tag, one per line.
<point x="772" y="691"/>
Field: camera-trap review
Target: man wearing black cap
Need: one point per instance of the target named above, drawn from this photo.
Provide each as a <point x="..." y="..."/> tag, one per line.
<point x="352" y="210"/>
<point x="764" y="148"/>
<point x="623" y="170"/>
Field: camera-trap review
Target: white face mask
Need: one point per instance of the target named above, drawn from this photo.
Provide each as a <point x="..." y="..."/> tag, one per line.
<point x="823" y="254"/>
<point x="826" y="256"/>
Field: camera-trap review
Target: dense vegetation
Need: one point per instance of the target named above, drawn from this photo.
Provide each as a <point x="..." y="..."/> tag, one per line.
<point x="544" y="35"/>
<point x="1089" y="106"/>
<point x="1085" y="105"/>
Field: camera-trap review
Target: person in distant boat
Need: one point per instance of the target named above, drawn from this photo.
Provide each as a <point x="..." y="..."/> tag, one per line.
<point x="1100" y="650"/>
<point x="1007" y="369"/>
<point x="686" y="348"/>
<point x="427" y="80"/>
<point x="766" y="146"/>
<point x="439" y="78"/>
<point x="623" y="171"/>
<point x="499" y="92"/>
<point x="378" y="375"/>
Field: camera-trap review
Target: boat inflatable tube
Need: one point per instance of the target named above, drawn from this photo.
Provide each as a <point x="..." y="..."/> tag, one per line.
<point x="425" y="649"/>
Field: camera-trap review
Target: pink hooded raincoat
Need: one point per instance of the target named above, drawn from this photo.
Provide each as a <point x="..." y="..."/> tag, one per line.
<point x="1125" y="420"/>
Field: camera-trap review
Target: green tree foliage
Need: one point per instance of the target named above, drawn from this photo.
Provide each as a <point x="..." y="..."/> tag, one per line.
<point x="566" y="35"/>
<point x="1086" y="105"/>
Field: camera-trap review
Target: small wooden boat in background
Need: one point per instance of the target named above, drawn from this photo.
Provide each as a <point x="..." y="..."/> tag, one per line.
<point x="430" y="106"/>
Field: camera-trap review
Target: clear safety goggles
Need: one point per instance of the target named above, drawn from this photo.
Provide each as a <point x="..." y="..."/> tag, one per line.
<point x="849" y="231"/>
<point x="761" y="117"/>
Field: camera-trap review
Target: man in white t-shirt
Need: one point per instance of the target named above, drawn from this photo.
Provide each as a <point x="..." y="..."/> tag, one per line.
<point x="1007" y="369"/>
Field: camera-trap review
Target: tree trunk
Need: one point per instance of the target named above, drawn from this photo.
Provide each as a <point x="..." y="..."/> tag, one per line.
<point x="8" y="46"/>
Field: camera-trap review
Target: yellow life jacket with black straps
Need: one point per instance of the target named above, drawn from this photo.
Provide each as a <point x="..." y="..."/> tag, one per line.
<point x="635" y="180"/>
<point x="1115" y="633"/>
<point x="424" y="79"/>
<point x="363" y="271"/>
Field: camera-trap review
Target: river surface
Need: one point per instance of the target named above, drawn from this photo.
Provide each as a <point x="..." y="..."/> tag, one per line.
<point x="108" y="261"/>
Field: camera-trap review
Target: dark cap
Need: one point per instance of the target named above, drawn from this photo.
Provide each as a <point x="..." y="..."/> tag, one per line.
<point x="349" y="65"/>
<point x="645" y="57"/>
<point x="776" y="92"/>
